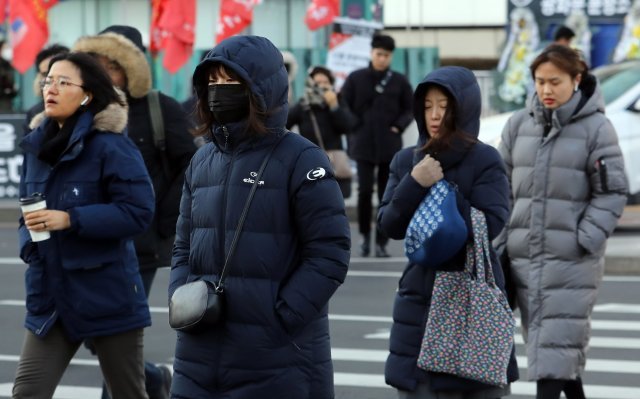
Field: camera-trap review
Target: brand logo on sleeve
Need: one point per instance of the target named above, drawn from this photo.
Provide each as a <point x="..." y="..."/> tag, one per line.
<point x="316" y="173"/>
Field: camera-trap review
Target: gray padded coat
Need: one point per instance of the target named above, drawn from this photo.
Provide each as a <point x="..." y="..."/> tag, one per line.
<point x="568" y="192"/>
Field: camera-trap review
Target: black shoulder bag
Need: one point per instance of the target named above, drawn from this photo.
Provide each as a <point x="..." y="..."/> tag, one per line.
<point x="199" y="304"/>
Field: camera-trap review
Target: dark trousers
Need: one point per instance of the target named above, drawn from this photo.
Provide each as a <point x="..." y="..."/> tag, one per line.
<point x="366" y="178"/>
<point x="44" y="360"/>
<point x="551" y="389"/>
<point x="152" y="374"/>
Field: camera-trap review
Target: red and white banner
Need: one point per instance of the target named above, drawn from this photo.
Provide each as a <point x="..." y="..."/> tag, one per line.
<point x="321" y="13"/>
<point x="235" y="15"/>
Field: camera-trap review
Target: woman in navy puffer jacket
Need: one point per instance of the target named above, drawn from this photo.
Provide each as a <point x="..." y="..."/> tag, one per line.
<point x="447" y="106"/>
<point x="83" y="282"/>
<point x="292" y="254"/>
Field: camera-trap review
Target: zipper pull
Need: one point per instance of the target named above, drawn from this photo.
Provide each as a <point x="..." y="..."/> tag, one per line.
<point x="226" y="136"/>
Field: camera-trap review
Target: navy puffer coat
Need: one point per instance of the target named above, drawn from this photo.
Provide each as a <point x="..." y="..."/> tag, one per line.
<point x="87" y="276"/>
<point x="291" y="257"/>
<point x="479" y="173"/>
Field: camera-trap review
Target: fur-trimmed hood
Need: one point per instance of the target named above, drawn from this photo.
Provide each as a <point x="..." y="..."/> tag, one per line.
<point x="119" y="48"/>
<point x="114" y="118"/>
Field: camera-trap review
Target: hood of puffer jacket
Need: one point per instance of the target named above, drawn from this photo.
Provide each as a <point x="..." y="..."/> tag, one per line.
<point x="589" y="100"/>
<point x="462" y="84"/>
<point x="113" y="118"/>
<point x="260" y="65"/>
<point x="122" y="44"/>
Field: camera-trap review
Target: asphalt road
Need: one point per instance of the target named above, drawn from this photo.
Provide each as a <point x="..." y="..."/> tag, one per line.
<point x="360" y="322"/>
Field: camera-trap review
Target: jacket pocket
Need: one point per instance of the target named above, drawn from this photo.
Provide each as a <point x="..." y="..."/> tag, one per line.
<point x="103" y="291"/>
<point x="610" y="175"/>
<point x="38" y="298"/>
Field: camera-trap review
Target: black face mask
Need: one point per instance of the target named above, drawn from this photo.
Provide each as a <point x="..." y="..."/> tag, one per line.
<point x="228" y="102"/>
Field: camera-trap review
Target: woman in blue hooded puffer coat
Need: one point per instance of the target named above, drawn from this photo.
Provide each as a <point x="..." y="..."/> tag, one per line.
<point x="292" y="254"/>
<point x="447" y="105"/>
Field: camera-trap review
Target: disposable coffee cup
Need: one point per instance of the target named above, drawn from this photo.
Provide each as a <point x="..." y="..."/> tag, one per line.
<point x="34" y="202"/>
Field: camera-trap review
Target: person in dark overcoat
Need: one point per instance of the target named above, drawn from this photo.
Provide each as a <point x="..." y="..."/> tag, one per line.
<point x="447" y="105"/>
<point x="83" y="282"/>
<point x="293" y="250"/>
<point x="381" y="100"/>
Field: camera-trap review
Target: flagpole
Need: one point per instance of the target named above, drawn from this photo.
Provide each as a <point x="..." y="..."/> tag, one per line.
<point x="288" y="24"/>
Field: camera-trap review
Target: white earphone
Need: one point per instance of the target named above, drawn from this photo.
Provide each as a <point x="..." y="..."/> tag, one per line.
<point x="86" y="99"/>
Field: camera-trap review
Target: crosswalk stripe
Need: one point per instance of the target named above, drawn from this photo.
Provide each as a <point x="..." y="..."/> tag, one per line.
<point x="594" y="342"/>
<point x="593" y="365"/>
<point x="610" y="325"/>
<point x="380" y="356"/>
<point x="364" y="380"/>
<point x="62" y="392"/>
<point x="517" y="388"/>
<point x="603" y="342"/>
<point x="617" y="308"/>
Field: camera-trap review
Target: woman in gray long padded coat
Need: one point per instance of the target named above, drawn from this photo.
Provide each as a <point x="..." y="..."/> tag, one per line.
<point x="568" y="187"/>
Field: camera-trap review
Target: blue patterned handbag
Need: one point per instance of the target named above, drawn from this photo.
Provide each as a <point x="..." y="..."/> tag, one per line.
<point x="436" y="231"/>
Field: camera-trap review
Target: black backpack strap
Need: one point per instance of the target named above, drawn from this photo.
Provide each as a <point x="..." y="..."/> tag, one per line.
<point x="157" y="125"/>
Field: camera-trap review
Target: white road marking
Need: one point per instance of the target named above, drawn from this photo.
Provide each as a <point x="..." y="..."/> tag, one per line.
<point x="617" y="308"/>
<point x="62" y="392"/>
<point x="593" y="365"/>
<point x="608" y="325"/>
<point x="518" y="388"/>
<point x="594" y="342"/>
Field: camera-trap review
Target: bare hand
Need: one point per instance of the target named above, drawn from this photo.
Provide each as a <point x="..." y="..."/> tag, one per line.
<point x="427" y="172"/>
<point x="331" y="98"/>
<point x="47" y="220"/>
<point x="395" y="130"/>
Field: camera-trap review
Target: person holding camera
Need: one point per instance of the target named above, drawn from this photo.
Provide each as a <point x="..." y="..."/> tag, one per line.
<point x="322" y="118"/>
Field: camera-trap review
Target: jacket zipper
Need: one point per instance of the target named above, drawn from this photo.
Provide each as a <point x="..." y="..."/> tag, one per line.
<point x="216" y="379"/>
<point x="53" y="315"/>
<point x="226" y="136"/>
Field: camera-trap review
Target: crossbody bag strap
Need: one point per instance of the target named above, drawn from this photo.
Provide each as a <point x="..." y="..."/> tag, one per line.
<point x="316" y="129"/>
<point x="220" y="286"/>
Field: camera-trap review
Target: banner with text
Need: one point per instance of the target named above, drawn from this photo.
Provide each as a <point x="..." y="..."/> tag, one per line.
<point x="350" y="46"/>
<point x="10" y="154"/>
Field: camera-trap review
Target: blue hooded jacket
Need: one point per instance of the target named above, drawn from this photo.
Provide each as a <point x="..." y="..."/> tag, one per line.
<point x="292" y="255"/>
<point x="87" y="276"/>
<point x="479" y="173"/>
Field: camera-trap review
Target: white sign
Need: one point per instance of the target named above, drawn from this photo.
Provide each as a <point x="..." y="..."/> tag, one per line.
<point x="350" y="47"/>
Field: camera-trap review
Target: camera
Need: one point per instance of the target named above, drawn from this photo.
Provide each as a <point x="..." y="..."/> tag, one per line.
<point x="314" y="94"/>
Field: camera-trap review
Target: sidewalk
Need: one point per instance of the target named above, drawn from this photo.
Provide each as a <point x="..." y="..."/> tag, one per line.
<point x="622" y="256"/>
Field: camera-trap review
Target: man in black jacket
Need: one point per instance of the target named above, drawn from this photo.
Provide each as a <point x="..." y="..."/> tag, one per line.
<point x="121" y="52"/>
<point x="381" y="99"/>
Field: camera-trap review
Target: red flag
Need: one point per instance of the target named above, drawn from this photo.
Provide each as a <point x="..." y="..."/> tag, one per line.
<point x="3" y="11"/>
<point x="235" y="15"/>
<point x="155" y="36"/>
<point x="177" y="23"/>
<point x="321" y="13"/>
<point x="29" y="30"/>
